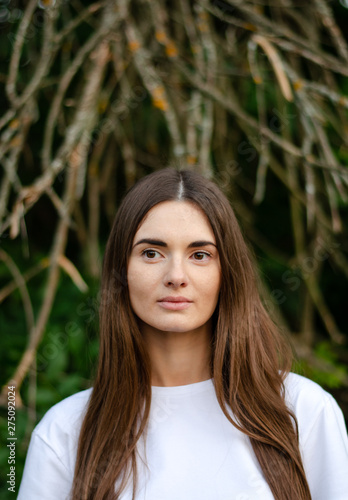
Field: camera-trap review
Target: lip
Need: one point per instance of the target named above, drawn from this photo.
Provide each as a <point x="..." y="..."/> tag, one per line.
<point x="174" y="303"/>
<point x="174" y="299"/>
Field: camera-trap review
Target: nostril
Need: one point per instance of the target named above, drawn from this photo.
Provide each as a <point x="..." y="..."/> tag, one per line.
<point x="176" y="284"/>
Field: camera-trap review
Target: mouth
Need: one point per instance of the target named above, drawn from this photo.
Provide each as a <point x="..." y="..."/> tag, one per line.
<point x="175" y="303"/>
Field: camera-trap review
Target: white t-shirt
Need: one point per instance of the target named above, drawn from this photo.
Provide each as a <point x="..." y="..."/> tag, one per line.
<point x="192" y="451"/>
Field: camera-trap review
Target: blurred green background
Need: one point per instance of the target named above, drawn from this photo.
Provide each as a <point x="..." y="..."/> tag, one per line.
<point x="96" y="95"/>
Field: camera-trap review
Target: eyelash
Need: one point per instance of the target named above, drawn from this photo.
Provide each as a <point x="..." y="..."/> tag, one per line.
<point x="208" y="254"/>
<point x="144" y="252"/>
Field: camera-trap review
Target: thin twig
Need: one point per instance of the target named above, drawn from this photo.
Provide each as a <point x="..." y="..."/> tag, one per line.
<point x="64" y="83"/>
<point x="21" y="285"/>
<point x="28" y="275"/>
<point x="74" y="23"/>
<point x="328" y="21"/>
<point x="17" y="50"/>
<point x="59" y="244"/>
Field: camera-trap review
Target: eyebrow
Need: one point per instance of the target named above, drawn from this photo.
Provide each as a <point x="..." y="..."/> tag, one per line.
<point x="159" y="243"/>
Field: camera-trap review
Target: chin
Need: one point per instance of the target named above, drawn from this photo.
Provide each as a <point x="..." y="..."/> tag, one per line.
<point x="174" y="327"/>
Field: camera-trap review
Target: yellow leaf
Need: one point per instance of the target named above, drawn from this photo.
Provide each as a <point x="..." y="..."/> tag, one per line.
<point x="159" y="99"/>
<point x="171" y="50"/>
<point x="298" y="85"/>
<point x="250" y="27"/>
<point x="158" y="92"/>
<point x="14" y="123"/>
<point x="102" y="104"/>
<point x="15" y="141"/>
<point x="203" y="27"/>
<point x="161" y="36"/>
<point x="134" y="45"/>
<point x="257" y="80"/>
<point x="160" y="104"/>
<point x="203" y="15"/>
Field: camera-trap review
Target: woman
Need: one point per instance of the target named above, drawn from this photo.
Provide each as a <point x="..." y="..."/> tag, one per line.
<point x="193" y="398"/>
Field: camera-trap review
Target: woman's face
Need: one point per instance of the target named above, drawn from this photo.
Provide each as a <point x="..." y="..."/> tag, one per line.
<point x="174" y="272"/>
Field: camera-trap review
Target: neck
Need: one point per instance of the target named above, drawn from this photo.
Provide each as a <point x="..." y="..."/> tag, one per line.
<point x="178" y="358"/>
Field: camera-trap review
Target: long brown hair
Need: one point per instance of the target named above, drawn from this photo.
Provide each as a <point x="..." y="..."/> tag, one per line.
<point x="248" y="364"/>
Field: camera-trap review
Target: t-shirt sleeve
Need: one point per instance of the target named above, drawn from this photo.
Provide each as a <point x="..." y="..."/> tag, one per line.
<point x="45" y="477"/>
<point x="325" y="453"/>
<point x="50" y="463"/>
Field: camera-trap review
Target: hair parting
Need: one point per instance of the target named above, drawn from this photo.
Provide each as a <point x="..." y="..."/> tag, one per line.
<point x="180" y="190"/>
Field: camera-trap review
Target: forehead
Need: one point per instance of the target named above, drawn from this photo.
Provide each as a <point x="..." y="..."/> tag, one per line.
<point x="176" y="218"/>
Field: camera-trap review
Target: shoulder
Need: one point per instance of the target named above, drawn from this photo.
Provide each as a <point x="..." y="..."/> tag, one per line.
<point x="66" y="414"/>
<point x="60" y="427"/>
<point x="303" y="396"/>
<point x="51" y="456"/>
<point x="311" y="404"/>
<point x="300" y="390"/>
<point x="322" y="437"/>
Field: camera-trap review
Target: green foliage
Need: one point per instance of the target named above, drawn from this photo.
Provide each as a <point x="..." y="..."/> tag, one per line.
<point x="65" y="359"/>
<point x="331" y="374"/>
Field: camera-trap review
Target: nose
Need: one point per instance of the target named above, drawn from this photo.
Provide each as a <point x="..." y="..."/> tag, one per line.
<point x="176" y="275"/>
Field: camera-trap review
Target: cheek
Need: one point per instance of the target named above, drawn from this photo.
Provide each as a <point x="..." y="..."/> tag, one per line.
<point x="210" y="285"/>
<point x="140" y="283"/>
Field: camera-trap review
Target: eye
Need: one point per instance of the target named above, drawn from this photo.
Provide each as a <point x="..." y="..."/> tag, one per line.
<point x="201" y="256"/>
<point x="150" y="254"/>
